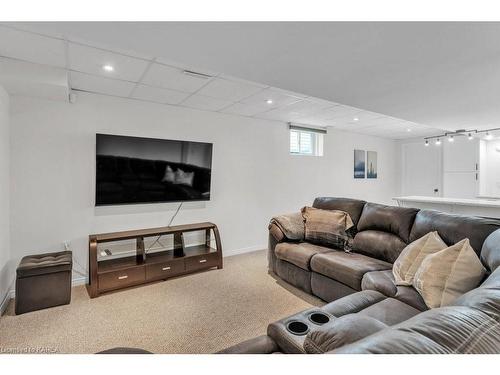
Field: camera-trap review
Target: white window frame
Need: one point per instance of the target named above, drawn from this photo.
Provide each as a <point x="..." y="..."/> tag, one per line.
<point x="317" y="140"/>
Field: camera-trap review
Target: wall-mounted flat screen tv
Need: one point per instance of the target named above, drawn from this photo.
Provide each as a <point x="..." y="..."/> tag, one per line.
<point x="133" y="170"/>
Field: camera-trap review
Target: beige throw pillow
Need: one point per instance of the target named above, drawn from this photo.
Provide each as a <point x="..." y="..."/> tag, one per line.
<point x="326" y="227"/>
<point x="411" y="257"/>
<point x="449" y="273"/>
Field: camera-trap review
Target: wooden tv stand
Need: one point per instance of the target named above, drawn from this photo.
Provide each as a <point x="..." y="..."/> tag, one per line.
<point x="112" y="274"/>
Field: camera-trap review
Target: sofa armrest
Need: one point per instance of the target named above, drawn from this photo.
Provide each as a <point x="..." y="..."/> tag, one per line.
<point x="276" y="232"/>
<point x="288" y="226"/>
<point x="339" y="332"/>
<point x="258" y="345"/>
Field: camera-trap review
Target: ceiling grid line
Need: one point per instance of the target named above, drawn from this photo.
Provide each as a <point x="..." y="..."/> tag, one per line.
<point x="239" y="97"/>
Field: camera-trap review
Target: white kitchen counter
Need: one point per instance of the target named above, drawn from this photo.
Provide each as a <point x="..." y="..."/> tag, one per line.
<point x="478" y="207"/>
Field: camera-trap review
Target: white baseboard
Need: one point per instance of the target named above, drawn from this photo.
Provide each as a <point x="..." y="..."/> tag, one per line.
<point x="5" y="302"/>
<point x="244" y="250"/>
<point x="82" y="280"/>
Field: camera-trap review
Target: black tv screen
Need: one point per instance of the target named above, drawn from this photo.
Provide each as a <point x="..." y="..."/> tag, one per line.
<point x="133" y="170"/>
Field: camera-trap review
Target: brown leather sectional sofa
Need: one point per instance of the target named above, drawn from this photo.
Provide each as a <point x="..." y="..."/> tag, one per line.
<point x="367" y="312"/>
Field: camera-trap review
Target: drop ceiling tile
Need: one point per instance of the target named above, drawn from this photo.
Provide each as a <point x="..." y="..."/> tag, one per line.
<point x="32" y="47"/>
<point x="229" y="90"/>
<point x="245" y="109"/>
<point x="101" y="85"/>
<point x="205" y="102"/>
<point x="107" y="47"/>
<point x="280" y="114"/>
<point x="158" y="95"/>
<point x="183" y="66"/>
<point x="378" y="121"/>
<point x="317" y="108"/>
<point x="241" y="80"/>
<point x="342" y="111"/>
<point x="278" y="97"/>
<point x="91" y="60"/>
<point x="305" y="111"/>
<point x="173" y="78"/>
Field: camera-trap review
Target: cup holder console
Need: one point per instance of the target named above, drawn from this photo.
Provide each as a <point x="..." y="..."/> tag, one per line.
<point x="296" y="327"/>
<point x="318" y="318"/>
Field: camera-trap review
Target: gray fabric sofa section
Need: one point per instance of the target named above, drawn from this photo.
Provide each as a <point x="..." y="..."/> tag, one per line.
<point x="360" y="287"/>
<point x="380" y="234"/>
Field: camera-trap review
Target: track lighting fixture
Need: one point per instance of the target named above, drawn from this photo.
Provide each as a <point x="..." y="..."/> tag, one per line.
<point x="461" y="132"/>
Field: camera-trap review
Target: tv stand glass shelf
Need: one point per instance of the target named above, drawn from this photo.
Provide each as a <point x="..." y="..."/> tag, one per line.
<point x="121" y="259"/>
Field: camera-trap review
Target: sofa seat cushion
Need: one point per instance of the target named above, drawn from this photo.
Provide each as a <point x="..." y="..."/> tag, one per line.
<point x="348" y="268"/>
<point x="373" y="304"/>
<point x="383" y="282"/>
<point x="390" y="311"/>
<point x="353" y="303"/>
<point x="299" y="254"/>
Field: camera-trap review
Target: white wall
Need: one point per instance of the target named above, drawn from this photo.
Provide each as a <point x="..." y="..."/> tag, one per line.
<point x="420" y="168"/>
<point x="490" y="169"/>
<point x="6" y="273"/>
<point x="253" y="176"/>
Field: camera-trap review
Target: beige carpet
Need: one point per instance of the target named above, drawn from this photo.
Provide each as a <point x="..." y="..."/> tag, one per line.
<point x="200" y="313"/>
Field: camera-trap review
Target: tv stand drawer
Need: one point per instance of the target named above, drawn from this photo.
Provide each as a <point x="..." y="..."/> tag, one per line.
<point x="120" y="279"/>
<point x="159" y="271"/>
<point x="202" y="261"/>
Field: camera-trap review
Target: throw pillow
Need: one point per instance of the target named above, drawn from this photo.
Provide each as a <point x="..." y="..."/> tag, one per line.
<point x="169" y="175"/>
<point x="411" y="257"/>
<point x="444" y="276"/>
<point x="184" y="178"/>
<point x="326" y="227"/>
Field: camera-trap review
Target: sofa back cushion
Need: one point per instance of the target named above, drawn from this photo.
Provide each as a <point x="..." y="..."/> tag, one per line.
<point x="352" y="206"/>
<point x="490" y="252"/>
<point x="378" y="244"/>
<point x="485" y="298"/>
<point x="454" y="228"/>
<point x="383" y="231"/>
<point x="391" y="219"/>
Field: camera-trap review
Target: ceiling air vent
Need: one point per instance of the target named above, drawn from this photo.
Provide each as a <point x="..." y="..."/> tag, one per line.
<point x="196" y="74"/>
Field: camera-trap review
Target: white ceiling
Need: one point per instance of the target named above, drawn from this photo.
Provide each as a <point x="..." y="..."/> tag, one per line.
<point x="150" y="77"/>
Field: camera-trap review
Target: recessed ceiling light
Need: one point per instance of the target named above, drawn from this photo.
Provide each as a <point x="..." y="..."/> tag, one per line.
<point x="426" y="142"/>
<point x="438" y="142"/>
<point x="450" y="138"/>
<point x="108" y="68"/>
<point x="269" y="101"/>
<point x="355" y="119"/>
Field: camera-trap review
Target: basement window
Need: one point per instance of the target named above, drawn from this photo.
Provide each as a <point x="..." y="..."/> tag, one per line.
<point x="306" y="141"/>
